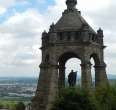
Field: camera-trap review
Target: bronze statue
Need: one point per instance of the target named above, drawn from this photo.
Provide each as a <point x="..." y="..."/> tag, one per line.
<point x="72" y="78"/>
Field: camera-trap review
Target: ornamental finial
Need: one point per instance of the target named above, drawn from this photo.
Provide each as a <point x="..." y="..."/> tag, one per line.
<point x="71" y="4"/>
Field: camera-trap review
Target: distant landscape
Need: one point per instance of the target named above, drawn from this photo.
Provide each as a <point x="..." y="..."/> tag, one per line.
<point x="17" y="89"/>
<point x="23" y="88"/>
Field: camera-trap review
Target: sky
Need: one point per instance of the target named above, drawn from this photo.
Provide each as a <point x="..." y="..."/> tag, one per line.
<point x="23" y="21"/>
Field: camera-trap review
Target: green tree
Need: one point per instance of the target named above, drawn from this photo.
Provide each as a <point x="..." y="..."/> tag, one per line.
<point x="20" y="106"/>
<point x="106" y="96"/>
<point x="12" y="106"/>
<point x="75" y="99"/>
<point x="1" y="106"/>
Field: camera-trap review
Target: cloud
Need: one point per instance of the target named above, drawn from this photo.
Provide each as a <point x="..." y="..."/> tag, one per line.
<point x="20" y="40"/>
<point x="41" y="1"/>
<point x="5" y="4"/>
<point x="93" y="5"/>
<point x="20" y="35"/>
<point x="2" y="10"/>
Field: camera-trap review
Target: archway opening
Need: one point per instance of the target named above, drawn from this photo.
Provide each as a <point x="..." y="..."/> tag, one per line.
<point x="94" y="59"/>
<point x="67" y="62"/>
<point x="73" y="64"/>
<point x="93" y="71"/>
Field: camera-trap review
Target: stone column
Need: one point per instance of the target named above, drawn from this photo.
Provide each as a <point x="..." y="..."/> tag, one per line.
<point x="86" y="75"/>
<point x="52" y="85"/>
<point x="61" y="80"/>
<point x="47" y="87"/>
<point x="100" y="74"/>
<point x="39" y="102"/>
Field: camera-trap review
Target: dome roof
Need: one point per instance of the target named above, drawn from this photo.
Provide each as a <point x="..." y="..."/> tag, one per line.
<point x="72" y="20"/>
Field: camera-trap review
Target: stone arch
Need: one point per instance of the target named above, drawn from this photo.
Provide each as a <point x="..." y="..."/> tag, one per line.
<point x="96" y="61"/>
<point x="61" y="66"/>
<point x="95" y="58"/>
<point x="99" y="68"/>
<point x="67" y="55"/>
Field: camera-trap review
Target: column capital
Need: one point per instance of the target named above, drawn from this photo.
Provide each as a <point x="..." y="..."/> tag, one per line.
<point x="100" y="66"/>
<point x="86" y="64"/>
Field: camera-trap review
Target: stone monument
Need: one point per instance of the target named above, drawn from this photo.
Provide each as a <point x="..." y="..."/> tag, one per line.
<point x="70" y="37"/>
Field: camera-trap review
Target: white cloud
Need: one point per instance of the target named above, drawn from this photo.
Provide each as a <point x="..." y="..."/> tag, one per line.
<point x="20" y="35"/>
<point x="93" y="5"/>
<point x="20" y="38"/>
<point x="5" y="4"/>
<point x="2" y="10"/>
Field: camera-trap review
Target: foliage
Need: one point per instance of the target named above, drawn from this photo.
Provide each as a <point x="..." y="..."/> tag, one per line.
<point x="11" y="105"/>
<point x="101" y="98"/>
<point x="75" y="99"/>
<point x="1" y="105"/>
<point x="106" y="96"/>
<point x="20" y="106"/>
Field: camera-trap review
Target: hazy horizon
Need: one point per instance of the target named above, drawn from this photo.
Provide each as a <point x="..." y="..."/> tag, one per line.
<point x="38" y="76"/>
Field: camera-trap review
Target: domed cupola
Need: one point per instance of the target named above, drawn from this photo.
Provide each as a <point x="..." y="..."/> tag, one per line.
<point x="71" y="19"/>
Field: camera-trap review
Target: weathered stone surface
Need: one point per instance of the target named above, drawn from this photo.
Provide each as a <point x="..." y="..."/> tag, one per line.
<point x="70" y="37"/>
